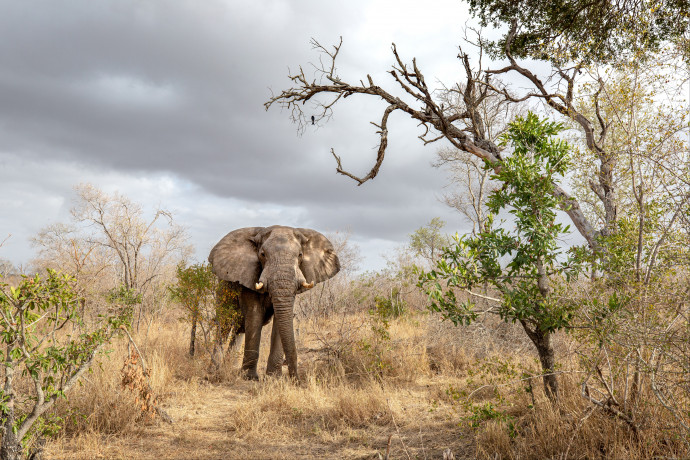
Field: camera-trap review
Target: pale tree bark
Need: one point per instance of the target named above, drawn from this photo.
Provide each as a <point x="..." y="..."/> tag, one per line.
<point x="469" y="182"/>
<point x="10" y="449"/>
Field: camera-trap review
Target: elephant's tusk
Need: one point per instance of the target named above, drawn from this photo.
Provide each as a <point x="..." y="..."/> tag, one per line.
<point x="259" y="285"/>
<point x="308" y="286"/>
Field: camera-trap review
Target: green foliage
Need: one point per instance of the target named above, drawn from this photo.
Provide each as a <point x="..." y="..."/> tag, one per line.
<point x="50" y="425"/>
<point x="194" y="284"/>
<point x="391" y="306"/>
<point x="622" y="246"/>
<point x="376" y="347"/>
<point x="37" y="342"/>
<point x="601" y="31"/>
<point x="516" y="262"/>
<point x="496" y="375"/>
<point x="375" y="350"/>
<point x="428" y="241"/>
<point x="380" y="325"/>
<point x="486" y="411"/>
<point x="208" y="302"/>
<point x="228" y="313"/>
<point x="123" y="296"/>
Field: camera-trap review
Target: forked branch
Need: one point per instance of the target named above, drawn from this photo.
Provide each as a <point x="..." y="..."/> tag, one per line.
<point x="464" y="129"/>
<point x="383" y="143"/>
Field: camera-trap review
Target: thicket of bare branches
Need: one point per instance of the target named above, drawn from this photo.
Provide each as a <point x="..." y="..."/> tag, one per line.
<point x="112" y="246"/>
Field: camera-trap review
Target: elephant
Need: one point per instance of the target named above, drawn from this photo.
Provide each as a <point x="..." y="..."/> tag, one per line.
<point x="268" y="267"/>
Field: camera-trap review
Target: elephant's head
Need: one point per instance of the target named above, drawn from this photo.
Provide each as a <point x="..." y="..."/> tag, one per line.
<point x="282" y="261"/>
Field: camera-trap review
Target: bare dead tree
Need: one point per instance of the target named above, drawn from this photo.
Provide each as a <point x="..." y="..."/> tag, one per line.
<point x="470" y="185"/>
<point x="464" y="130"/>
<point x="141" y="246"/>
<point x="469" y="182"/>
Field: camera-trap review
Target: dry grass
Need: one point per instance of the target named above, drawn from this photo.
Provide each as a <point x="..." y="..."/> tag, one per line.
<point x="425" y="389"/>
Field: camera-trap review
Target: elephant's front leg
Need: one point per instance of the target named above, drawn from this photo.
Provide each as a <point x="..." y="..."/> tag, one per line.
<point x="275" y="358"/>
<point x="253" y="322"/>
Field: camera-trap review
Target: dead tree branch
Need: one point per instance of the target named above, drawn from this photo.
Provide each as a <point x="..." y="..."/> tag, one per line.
<point x="464" y="129"/>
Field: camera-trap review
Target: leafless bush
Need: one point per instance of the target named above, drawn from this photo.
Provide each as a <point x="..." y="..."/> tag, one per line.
<point x="111" y="242"/>
<point x="633" y="349"/>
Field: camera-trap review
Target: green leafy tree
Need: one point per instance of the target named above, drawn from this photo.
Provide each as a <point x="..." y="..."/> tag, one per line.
<point x="227" y="320"/>
<point x="195" y="285"/>
<point x="45" y="343"/>
<point x="520" y="264"/>
<point x="428" y="241"/>
<point x="599" y="30"/>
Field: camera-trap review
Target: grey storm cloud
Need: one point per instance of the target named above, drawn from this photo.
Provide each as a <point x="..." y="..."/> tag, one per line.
<point x="177" y="87"/>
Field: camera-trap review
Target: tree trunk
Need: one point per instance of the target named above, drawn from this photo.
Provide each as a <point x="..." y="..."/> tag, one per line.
<point x="542" y="339"/>
<point x="548" y="363"/>
<point x="192" y="338"/>
<point x="547" y="358"/>
<point x="11" y="447"/>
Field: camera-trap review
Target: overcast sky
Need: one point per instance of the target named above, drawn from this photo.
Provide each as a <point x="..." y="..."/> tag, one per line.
<point x="163" y="102"/>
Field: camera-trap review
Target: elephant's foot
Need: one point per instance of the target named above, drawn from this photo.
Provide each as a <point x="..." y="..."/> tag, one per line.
<point x="274" y="371"/>
<point x="250" y="374"/>
<point x="274" y="366"/>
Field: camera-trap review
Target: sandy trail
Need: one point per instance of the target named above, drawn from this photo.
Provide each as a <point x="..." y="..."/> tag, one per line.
<point x="202" y="429"/>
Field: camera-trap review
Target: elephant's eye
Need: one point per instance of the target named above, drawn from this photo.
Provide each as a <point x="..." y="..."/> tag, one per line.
<point x="262" y="254"/>
<point x="300" y="256"/>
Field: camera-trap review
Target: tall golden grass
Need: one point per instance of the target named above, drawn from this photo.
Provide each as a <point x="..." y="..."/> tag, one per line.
<point x="411" y="386"/>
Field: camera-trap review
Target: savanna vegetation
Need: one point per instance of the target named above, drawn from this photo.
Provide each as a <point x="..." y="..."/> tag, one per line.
<point x="558" y="327"/>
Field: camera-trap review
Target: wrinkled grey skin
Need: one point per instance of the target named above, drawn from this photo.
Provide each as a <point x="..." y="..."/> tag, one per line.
<point x="272" y="265"/>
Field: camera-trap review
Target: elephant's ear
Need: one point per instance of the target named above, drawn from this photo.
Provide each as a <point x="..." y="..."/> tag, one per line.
<point x="319" y="261"/>
<point x="234" y="258"/>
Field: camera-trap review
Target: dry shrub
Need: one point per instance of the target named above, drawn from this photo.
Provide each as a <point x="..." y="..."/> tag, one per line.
<point x="495" y="435"/>
<point x="362" y="347"/>
<point x="361" y="407"/>
<point x="279" y="408"/>
<point x="100" y="404"/>
<point x="447" y="357"/>
<point x="572" y="428"/>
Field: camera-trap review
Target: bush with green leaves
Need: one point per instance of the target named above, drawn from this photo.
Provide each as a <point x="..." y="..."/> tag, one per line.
<point x="209" y="304"/>
<point x="390" y="306"/>
<point x="519" y="259"/>
<point x="195" y="285"/>
<point x="45" y="343"/>
<point x="123" y="295"/>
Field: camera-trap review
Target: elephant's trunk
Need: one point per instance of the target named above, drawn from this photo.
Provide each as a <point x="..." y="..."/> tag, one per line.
<point x="282" y="288"/>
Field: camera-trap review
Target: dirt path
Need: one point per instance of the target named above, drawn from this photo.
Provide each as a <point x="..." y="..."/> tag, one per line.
<point x="203" y="429"/>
